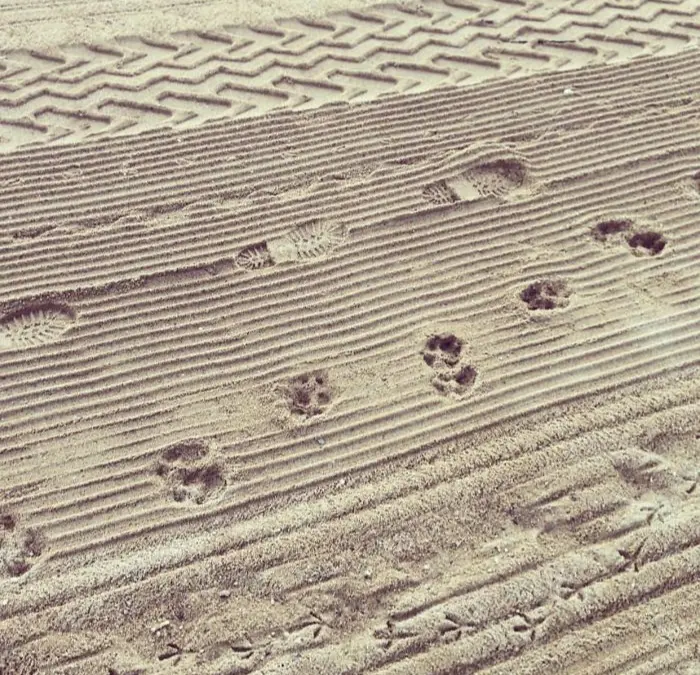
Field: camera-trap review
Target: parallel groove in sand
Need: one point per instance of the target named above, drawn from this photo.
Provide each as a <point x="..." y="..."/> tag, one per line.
<point x="405" y="51"/>
<point x="168" y="332"/>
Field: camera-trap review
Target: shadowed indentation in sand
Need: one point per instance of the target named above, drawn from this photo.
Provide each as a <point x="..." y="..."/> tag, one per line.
<point x="444" y="352"/>
<point x="466" y="376"/>
<point x="611" y="227"/>
<point x="34" y="325"/>
<point x="7" y="522"/>
<point x="444" y="348"/>
<point x="19" y="547"/>
<point x="695" y="181"/>
<point x="639" y="240"/>
<point x="650" y="242"/>
<point x="497" y="178"/>
<point x="308" y="394"/>
<point x="546" y="294"/>
<point x="189" y="472"/>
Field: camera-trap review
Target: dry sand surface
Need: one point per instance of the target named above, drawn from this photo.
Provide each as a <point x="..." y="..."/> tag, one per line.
<point x="365" y="342"/>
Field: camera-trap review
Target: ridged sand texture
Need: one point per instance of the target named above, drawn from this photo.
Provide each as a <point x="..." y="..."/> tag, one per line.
<point x="133" y="83"/>
<point x="411" y="386"/>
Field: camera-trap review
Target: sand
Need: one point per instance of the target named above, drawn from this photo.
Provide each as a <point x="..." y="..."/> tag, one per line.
<point x="362" y="341"/>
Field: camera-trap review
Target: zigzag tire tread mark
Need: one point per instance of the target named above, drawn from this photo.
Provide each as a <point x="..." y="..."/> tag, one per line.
<point x="136" y="83"/>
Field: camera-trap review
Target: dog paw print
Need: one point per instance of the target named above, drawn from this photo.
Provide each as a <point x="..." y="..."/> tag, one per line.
<point x="647" y="242"/>
<point x="546" y="294"/>
<point x="308" y="394"/>
<point x="19" y="547"/>
<point x="640" y="241"/>
<point x="190" y="473"/>
<point x="444" y="353"/>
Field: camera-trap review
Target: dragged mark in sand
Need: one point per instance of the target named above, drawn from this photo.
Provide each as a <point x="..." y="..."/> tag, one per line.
<point x="315" y="239"/>
<point x="546" y="294"/>
<point x="640" y="241"/>
<point x="19" y="547"/>
<point x="443" y="353"/>
<point x="494" y="178"/>
<point x="189" y="472"/>
<point x="34" y="325"/>
<point x="308" y="394"/>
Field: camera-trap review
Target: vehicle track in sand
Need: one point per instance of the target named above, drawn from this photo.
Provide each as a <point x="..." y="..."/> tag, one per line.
<point x="132" y="84"/>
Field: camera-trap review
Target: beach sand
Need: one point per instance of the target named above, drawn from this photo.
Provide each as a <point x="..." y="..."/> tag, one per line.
<point x="365" y="341"/>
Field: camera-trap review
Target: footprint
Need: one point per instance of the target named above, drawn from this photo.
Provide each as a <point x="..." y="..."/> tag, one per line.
<point x="546" y="294"/>
<point x="190" y="473"/>
<point x="308" y="394"/>
<point x="34" y="325"/>
<point x="487" y="179"/>
<point x="440" y="193"/>
<point x="497" y="178"/>
<point x="315" y="239"/>
<point x="19" y="547"/>
<point x="642" y="242"/>
<point x="254" y="257"/>
<point x="443" y="352"/>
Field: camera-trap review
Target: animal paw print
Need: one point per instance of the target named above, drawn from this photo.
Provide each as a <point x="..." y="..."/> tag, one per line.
<point x="189" y="472"/>
<point x="309" y="394"/>
<point x="641" y="242"/>
<point x="546" y="294"/>
<point x="443" y="352"/>
<point x="19" y="547"/>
